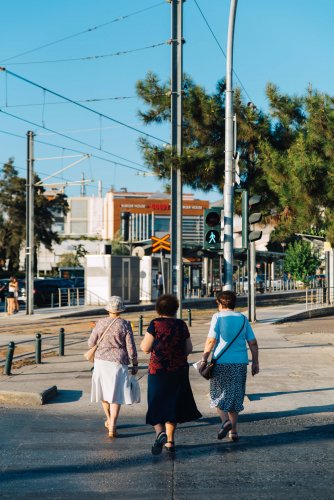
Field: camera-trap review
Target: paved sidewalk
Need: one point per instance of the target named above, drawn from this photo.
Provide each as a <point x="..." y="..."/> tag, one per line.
<point x="61" y="450"/>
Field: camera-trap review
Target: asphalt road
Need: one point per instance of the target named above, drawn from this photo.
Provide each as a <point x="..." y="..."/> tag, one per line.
<point x="58" y="456"/>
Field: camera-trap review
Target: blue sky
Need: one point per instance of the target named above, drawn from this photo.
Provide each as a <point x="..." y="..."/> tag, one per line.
<point x="287" y="42"/>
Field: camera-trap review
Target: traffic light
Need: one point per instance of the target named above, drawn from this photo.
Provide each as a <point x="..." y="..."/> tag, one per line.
<point x="212" y="228"/>
<point x="248" y="219"/>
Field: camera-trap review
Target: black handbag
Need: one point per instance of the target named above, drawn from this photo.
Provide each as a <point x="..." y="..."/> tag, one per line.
<point x="206" y="370"/>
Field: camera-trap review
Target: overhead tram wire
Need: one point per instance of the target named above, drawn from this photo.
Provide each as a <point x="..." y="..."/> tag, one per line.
<point x="92" y="155"/>
<point x="92" y="58"/>
<point x="80" y="100"/>
<point x="88" y="30"/>
<point x="15" y="75"/>
<point x="72" y="139"/>
<point x="221" y="48"/>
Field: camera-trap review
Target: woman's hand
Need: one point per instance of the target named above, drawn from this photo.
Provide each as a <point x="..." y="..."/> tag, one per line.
<point x="134" y="370"/>
<point x="255" y="368"/>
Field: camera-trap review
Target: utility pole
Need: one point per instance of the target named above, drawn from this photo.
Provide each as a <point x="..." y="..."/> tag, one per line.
<point x="30" y="224"/>
<point x="176" y="142"/>
<point x="229" y="149"/>
<point x="251" y="281"/>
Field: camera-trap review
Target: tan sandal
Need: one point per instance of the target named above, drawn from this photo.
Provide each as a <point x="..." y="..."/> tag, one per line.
<point x="233" y="436"/>
<point x="112" y="432"/>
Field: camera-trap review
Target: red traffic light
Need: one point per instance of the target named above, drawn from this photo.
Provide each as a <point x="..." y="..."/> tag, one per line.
<point x="212" y="219"/>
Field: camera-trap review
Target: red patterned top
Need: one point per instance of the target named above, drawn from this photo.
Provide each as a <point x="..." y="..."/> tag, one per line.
<point x="168" y="351"/>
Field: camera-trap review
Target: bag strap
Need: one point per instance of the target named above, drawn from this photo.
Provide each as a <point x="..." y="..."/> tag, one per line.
<point x="229" y="345"/>
<point x="105" y="331"/>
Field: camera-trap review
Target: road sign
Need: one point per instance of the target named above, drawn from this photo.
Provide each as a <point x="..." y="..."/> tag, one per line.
<point x="160" y="243"/>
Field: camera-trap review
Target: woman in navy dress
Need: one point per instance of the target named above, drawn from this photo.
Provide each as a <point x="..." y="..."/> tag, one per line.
<point x="170" y="398"/>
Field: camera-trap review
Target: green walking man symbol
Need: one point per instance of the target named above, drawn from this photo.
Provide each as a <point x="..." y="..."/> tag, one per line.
<point x="212" y="237"/>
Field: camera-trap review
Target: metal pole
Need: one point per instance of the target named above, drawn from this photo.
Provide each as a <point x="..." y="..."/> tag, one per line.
<point x="140" y="326"/>
<point x="9" y="358"/>
<point x="176" y="143"/>
<point x="30" y="224"/>
<point x="38" y="349"/>
<point x="229" y="149"/>
<point x="61" y="342"/>
<point x="251" y="282"/>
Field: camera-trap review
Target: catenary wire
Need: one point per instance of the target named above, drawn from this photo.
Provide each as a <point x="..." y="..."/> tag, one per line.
<point x="69" y="137"/>
<point x="80" y="100"/>
<point x="88" y="30"/>
<point x="26" y="80"/>
<point x="220" y="47"/>
<point x="92" y="58"/>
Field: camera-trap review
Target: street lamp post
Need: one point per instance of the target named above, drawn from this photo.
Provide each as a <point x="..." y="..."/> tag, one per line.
<point x="229" y="150"/>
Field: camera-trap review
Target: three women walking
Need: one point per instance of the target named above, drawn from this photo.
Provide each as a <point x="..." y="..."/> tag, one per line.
<point x="167" y="340"/>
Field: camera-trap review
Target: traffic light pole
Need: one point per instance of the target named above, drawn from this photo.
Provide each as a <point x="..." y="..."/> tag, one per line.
<point x="229" y="150"/>
<point x="251" y="282"/>
<point x="176" y="142"/>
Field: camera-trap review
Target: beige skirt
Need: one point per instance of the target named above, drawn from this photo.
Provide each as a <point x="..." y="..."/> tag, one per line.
<point x="110" y="382"/>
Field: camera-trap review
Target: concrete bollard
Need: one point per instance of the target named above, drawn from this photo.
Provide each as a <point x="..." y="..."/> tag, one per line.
<point x="189" y="317"/>
<point x="9" y="358"/>
<point x="38" y="349"/>
<point x="140" y="326"/>
<point x="61" y="342"/>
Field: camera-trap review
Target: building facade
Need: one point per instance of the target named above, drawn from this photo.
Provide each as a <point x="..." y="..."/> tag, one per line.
<point x="149" y="215"/>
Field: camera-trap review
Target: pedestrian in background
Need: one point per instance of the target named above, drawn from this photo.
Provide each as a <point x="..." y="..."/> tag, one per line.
<point x="13" y="288"/>
<point x="170" y="398"/>
<point x="229" y="332"/>
<point x="110" y="381"/>
<point x="160" y="284"/>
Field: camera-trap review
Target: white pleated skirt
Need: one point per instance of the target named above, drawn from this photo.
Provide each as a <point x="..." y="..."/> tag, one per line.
<point x="110" y="382"/>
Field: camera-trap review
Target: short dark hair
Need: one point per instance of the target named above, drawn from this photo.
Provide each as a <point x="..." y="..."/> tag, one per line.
<point x="167" y="305"/>
<point x="227" y="299"/>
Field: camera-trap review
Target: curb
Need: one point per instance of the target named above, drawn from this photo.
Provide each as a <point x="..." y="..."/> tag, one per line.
<point x="28" y="398"/>
<point x="311" y="313"/>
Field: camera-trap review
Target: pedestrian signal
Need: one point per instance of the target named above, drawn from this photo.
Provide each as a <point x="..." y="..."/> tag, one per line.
<point x="212" y="228"/>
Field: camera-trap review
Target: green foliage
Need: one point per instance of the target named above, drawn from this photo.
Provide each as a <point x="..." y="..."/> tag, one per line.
<point x="13" y="215"/>
<point x="119" y="248"/>
<point x="69" y="259"/>
<point x="287" y="155"/>
<point x="300" y="260"/>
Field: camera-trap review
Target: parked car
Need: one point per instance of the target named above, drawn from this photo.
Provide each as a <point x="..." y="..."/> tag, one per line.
<point x="52" y="292"/>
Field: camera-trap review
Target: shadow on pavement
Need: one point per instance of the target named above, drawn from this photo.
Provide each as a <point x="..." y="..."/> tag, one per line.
<point x="115" y="461"/>
<point x="66" y="396"/>
<point x="258" y="397"/>
<point x="303" y="410"/>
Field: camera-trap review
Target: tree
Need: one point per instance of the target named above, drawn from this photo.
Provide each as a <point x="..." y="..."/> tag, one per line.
<point x="119" y="248"/>
<point x="68" y="259"/>
<point x="300" y="260"/>
<point x="13" y="215"/>
<point x="287" y="155"/>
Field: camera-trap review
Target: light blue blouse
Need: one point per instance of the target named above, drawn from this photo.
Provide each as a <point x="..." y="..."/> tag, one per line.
<point x="224" y="327"/>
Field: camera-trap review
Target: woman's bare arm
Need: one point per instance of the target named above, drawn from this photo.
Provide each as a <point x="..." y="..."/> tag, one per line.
<point x="209" y="345"/>
<point x="147" y="343"/>
<point x="255" y="356"/>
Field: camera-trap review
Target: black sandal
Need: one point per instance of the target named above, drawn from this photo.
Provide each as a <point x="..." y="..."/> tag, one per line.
<point x="170" y="449"/>
<point x="160" y="440"/>
<point x="225" y="428"/>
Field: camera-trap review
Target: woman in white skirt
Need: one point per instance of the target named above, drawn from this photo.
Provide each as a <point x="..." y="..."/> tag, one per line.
<point x="111" y="382"/>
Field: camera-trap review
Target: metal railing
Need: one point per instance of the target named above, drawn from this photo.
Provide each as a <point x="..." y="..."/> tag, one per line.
<point x="319" y="297"/>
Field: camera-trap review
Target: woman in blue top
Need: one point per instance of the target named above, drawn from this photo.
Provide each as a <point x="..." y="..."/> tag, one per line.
<point x="227" y="386"/>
